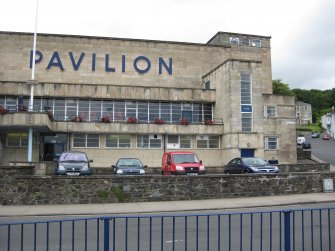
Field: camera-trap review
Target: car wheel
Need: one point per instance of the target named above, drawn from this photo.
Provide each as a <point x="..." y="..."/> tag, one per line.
<point x="245" y="171"/>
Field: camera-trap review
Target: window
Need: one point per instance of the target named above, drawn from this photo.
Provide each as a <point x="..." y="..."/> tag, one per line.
<point x="246" y="122"/>
<point x="271" y="143"/>
<point x="245" y="88"/>
<point x="17" y="139"/>
<point x="206" y="141"/>
<point x="245" y="41"/>
<point x="149" y="141"/>
<point x="207" y="85"/>
<point x="118" y="141"/>
<point x="179" y="141"/>
<point x="86" y="140"/>
<point x="270" y="111"/>
<point x="234" y="40"/>
<point x="256" y="43"/>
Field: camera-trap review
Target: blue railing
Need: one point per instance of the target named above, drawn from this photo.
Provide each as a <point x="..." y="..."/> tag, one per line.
<point x="299" y="229"/>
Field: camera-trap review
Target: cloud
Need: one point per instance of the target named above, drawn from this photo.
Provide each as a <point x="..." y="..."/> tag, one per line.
<point x="309" y="60"/>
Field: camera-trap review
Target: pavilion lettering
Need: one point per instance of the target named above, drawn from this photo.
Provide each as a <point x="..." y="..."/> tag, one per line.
<point x="141" y="64"/>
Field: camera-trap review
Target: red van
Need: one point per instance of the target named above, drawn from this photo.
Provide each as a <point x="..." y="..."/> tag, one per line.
<point x="182" y="163"/>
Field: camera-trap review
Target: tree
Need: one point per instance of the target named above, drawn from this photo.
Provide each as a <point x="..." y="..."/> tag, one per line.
<point x="281" y="88"/>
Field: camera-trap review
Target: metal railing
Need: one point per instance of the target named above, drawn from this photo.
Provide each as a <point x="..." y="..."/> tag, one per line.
<point x="299" y="229"/>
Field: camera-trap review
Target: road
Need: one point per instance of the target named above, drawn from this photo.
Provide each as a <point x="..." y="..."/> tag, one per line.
<point x="323" y="149"/>
<point x="256" y="228"/>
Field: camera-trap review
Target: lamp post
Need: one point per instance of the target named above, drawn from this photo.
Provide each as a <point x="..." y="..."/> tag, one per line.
<point x="31" y="100"/>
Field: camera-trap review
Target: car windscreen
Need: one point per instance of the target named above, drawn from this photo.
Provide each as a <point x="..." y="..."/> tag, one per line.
<point x="73" y="157"/>
<point x="122" y="163"/>
<point x="254" y="161"/>
<point x="184" y="158"/>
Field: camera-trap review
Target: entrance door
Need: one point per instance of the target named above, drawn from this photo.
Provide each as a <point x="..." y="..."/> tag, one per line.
<point x="52" y="151"/>
<point x="53" y="145"/>
<point x="247" y="153"/>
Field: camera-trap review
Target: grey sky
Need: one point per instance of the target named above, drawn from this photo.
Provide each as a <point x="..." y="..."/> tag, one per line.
<point x="303" y="41"/>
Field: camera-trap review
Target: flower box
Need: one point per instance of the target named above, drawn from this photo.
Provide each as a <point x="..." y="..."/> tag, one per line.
<point x="106" y="119"/>
<point x="209" y="122"/>
<point x="78" y="118"/>
<point x="183" y="121"/>
<point x="158" y="121"/>
<point x="3" y="110"/>
<point x="132" y="120"/>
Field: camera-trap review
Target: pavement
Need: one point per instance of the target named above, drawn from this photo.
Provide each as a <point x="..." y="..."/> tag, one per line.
<point x="167" y="206"/>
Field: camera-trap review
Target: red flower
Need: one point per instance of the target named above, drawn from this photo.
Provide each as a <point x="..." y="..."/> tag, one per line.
<point x="132" y="120"/>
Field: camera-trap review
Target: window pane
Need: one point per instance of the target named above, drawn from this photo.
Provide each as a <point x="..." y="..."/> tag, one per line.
<point x="207" y="111"/>
<point x="246" y="122"/>
<point x="234" y="40"/>
<point x="245" y="88"/>
<point x="59" y="109"/>
<point x="173" y="139"/>
<point x="111" y="141"/>
<point x="166" y="112"/>
<point x="185" y="141"/>
<point x="14" y="139"/>
<point x="143" y="141"/>
<point x="272" y="143"/>
<point x="155" y="143"/>
<point x="214" y="142"/>
<point x="176" y="112"/>
<point x="83" y="109"/>
<point x="153" y="110"/>
<point x="107" y="108"/>
<point x="119" y="111"/>
<point x="71" y="108"/>
<point x="201" y="143"/>
<point x="92" y="140"/>
<point x="245" y="41"/>
<point x="124" y="141"/>
<point x="79" y="140"/>
<point x="143" y="111"/>
<point x="131" y="109"/>
<point x="95" y="113"/>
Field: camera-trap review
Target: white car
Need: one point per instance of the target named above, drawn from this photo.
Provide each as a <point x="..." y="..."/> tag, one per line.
<point x="300" y="140"/>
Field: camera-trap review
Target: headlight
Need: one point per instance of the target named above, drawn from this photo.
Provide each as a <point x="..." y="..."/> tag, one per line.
<point x="119" y="171"/>
<point x="202" y="168"/>
<point x="61" y="167"/>
<point x="179" y="168"/>
<point x="85" y="167"/>
<point x="254" y="169"/>
<point x="142" y="171"/>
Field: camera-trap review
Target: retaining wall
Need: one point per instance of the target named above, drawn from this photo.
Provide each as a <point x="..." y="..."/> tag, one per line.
<point x="33" y="190"/>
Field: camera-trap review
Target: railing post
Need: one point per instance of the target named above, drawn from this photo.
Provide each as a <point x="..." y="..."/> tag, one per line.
<point x="106" y="233"/>
<point x="287" y="230"/>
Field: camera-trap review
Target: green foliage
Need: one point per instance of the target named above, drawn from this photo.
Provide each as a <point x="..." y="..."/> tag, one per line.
<point x="321" y="101"/>
<point x="102" y="194"/>
<point x="281" y="88"/>
<point x="118" y="192"/>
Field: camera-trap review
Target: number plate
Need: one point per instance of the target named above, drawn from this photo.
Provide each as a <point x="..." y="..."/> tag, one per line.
<point x="192" y="174"/>
<point x="73" y="174"/>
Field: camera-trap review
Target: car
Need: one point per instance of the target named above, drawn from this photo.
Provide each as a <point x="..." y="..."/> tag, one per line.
<point x="306" y="145"/>
<point x="315" y="135"/>
<point x="73" y="163"/>
<point x="326" y="136"/>
<point x="300" y="140"/>
<point x="182" y="163"/>
<point x="129" y="166"/>
<point x="249" y="165"/>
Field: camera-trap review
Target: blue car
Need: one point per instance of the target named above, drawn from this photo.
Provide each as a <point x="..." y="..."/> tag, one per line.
<point x="249" y="165"/>
<point x="73" y="163"/>
<point x="129" y="166"/>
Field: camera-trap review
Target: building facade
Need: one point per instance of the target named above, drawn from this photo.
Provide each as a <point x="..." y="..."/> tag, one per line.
<point x="113" y="97"/>
<point x="303" y="113"/>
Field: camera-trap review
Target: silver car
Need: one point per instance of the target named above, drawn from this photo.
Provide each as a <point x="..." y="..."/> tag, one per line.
<point x="73" y="163"/>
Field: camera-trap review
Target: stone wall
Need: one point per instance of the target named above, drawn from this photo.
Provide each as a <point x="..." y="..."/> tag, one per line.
<point x="34" y="190"/>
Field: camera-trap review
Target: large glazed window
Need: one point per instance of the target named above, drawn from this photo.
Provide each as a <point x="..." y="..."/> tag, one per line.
<point x="246" y="122"/>
<point x="118" y="141"/>
<point x="86" y="140"/>
<point x="245" y="88"/>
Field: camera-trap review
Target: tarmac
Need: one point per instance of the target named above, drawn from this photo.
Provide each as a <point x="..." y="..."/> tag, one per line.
<point x="167" y="206"/>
